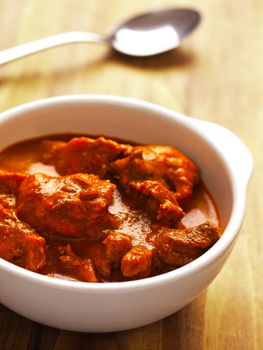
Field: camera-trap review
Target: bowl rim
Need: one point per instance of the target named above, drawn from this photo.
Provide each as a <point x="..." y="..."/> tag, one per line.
<point x="206" y="259"/>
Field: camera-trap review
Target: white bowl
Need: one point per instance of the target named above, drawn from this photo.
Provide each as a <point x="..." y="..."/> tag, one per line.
<point x="226" y="166"/>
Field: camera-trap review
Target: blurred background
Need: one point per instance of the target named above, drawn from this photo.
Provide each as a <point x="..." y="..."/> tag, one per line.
<point x="215" y="75"/>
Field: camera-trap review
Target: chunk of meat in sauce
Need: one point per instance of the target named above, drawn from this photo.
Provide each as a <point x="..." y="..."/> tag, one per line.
<point x="83" y="268"/>
<point x="155" y="198"/>
<point x="96" y="252"/>
<point x="83" y="155"/>
<point x="75" y="205"/>
<point x="178" y="247"/>
<point x="9" y="185"/>
<point x="20" y="243"/>
<point x="116" y="245"/>
<point x="92" y="261"/>
<point x="160" y="163"/>
<point x="137" y="262"/>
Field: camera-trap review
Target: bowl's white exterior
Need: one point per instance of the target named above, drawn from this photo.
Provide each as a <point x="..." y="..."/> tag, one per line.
<point x="226" y="166"/>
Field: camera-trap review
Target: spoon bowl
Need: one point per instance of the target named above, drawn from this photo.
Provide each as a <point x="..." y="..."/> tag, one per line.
<point x="154" y="32"/>
<point x="144" y="35"/>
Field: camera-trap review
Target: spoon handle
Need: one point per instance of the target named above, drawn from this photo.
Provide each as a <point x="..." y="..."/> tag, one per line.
<point x="23" y="50"/>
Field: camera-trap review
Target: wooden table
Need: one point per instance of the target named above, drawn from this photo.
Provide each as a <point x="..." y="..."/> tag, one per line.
<point x="217" y="75"/>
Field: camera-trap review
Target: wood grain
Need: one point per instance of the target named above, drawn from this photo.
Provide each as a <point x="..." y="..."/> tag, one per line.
<point x="216" y="75"/>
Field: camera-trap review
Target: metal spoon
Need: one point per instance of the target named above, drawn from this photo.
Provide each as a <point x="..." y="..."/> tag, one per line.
<point x="144" y="35"/>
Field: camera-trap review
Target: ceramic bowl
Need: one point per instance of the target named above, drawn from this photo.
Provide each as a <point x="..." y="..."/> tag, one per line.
<point x="226" y="166"/>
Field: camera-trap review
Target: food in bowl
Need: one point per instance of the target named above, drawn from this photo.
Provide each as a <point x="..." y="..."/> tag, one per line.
<point x="102" y="210"/>
<point x="225" y="164"/>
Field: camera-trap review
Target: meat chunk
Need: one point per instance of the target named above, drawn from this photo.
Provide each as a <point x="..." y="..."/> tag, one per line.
<point x="164" y="164"/>
<point x="116" y="245"/>
<point x="10" y="182"/>
<point x="96" y="252"/>
<point x="156" y="198"/>
<point x="90" y="265"/>
<point x="83" y="268"/>
<point x="83" y="155"/>
<point x="178" y="247"/>
<point x="75" y="205"/>
<point x="9" y="185"/>
<point x="19" y="243"/>
<point x="136" y="263"/>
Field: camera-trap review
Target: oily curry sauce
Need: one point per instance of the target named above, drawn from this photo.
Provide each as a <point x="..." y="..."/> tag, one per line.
<point x="96" y="209"/>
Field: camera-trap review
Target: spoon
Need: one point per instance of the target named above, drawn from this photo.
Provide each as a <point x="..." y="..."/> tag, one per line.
<point x="144" y="35"/>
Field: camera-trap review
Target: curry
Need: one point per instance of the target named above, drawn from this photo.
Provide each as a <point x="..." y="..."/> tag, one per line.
<point x="96" y="209"/>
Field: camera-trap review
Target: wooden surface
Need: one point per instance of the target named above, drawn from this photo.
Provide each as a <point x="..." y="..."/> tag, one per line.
<point x="217" y="75"/>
